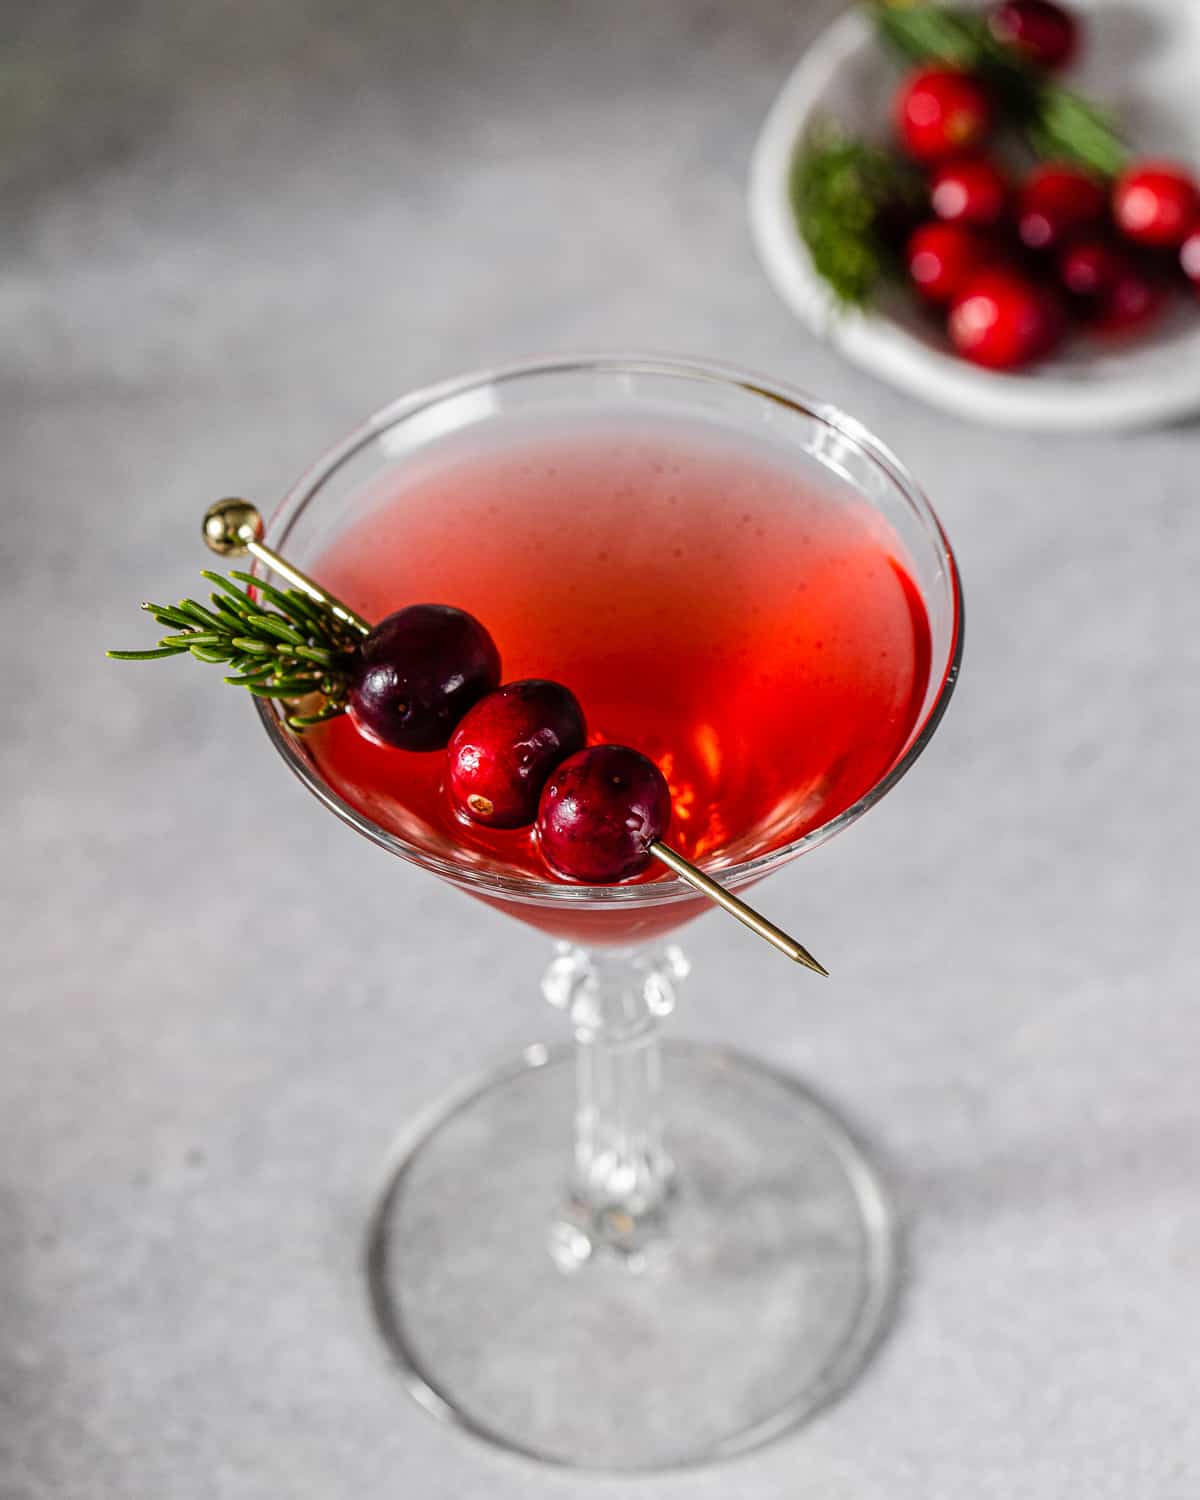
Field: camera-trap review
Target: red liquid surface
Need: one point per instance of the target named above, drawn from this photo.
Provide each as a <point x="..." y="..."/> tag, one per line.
<point x="759" y="637"/>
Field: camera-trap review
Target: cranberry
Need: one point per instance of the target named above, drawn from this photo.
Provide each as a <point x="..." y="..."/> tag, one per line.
<point x="941" y="111"/>
<point x="971" y="190"/>
<point x="1109" y="287"/>
<point x="506" y="746"/>
<point x="1004" y="320"/>
<point x="1090" y="268"/>
<point x="1132" y="303"/>
<point x="941" y="257"/>
<point x="600" y="812"/>
<point x="1156" y="203"/>
<point x="418" y="672"/>
<point x="1043" y="33"/>
<point x="1189" y="257"/>
<point x="1056" y="201"/>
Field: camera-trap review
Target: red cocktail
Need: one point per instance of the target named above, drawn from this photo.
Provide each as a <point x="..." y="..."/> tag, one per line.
<point x="756" y="631"/>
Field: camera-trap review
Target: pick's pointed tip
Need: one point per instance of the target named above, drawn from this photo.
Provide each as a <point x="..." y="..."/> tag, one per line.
<point x="805" y="957"/>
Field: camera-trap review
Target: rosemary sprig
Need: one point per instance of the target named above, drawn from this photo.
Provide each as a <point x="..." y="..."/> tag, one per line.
<point x="842" y="190"/>
<point x="1065" y="126"/>
<point x="1056" y="123"/>
<point x="924" y="33"/>
<point x="291" y="650"/>
<point x="834" y="200"/>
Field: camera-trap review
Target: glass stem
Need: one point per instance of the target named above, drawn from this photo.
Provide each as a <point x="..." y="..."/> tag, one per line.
<point x="621" y="1174"/>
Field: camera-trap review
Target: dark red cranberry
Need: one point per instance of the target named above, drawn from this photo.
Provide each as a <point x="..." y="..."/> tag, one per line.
<point x="1132" y="303"/>
<point x="1043" y="33"/>
<point x="1004" y="320"/>
<point x="1189" y="257"/>
<point x="418" y="672"/>
<point x="1089" y="269"/>
<point x="600" y="812"/>
<point x="941" y="257"/>
<point x="1156" y="203"/>
<point x="1057" y="201"/>
<point x="970" y="190"/>
<point x="940" y="112"/>
<point x="1109" y="287"/>
<point x="505" y="747"/>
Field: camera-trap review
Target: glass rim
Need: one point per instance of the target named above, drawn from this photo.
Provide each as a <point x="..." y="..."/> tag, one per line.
<point x="527" y="889"/>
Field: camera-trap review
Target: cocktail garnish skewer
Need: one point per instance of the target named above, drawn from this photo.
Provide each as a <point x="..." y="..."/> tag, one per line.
<point x="233" y="527"/>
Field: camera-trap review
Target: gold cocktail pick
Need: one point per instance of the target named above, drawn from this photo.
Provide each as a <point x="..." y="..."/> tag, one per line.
<point x="727" y="901"/>
<point x="233" y="527"/>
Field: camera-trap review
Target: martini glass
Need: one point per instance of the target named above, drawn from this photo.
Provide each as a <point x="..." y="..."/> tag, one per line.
<point x="625" y="1253"/>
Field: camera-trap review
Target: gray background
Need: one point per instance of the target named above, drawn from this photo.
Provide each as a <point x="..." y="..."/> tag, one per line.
<point x="229" y="231"/>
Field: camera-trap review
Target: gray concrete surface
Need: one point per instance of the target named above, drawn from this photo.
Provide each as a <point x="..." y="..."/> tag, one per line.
<point x="231" y="230"/>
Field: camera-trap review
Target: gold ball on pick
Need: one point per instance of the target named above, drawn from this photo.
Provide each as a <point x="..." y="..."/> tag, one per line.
<point x="230" y="524"/>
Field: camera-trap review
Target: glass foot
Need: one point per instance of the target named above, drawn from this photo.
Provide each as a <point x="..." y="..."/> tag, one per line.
<point x="746" y="1301"/>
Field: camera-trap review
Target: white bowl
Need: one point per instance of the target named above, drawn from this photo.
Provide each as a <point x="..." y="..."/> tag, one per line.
<point x="1143" y="63"/>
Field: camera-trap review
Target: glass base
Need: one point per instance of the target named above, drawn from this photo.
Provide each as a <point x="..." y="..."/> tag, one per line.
<point x="749" y="1299"/>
